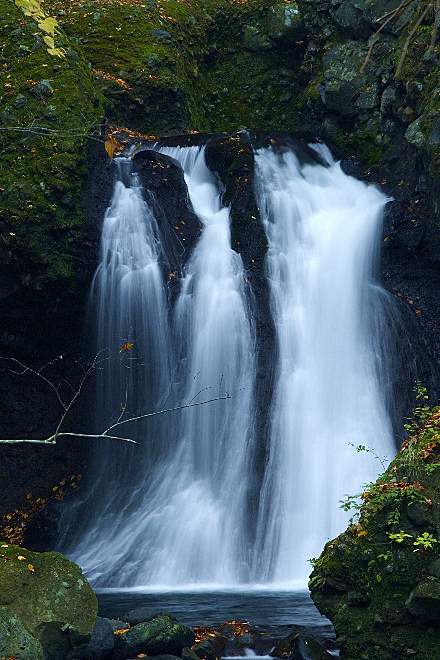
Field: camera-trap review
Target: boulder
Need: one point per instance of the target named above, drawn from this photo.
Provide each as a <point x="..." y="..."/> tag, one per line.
<point x="188" y="654"/>
<point x="50" y="596"/>
<point x="162" y="635"/>
<point x="419" y="514"/>
<point x="284" y="22"/>
<point x="139" y="615"/>
<point x="101" y="643"/>
<point x="424" y="601"/>
<point x="15" y="640"/>
<point x="299" y="647"/>
<point x="414" y="133"/>
<point x="205" y="650"/>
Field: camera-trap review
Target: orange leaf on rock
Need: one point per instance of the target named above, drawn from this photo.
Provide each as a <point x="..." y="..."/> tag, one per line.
<point x="111" y="146"/>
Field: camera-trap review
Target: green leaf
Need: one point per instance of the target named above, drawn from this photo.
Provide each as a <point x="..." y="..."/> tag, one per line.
<point x="49" y="25"/>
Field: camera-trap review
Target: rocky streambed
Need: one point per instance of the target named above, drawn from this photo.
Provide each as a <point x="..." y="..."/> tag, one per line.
<point x="48" y="611"/>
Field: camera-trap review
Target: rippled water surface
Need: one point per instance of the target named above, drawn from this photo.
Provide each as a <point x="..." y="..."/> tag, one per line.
<point x="274" y="612"/>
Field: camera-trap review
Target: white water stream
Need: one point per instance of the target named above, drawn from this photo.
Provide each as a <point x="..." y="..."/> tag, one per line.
<point x="176" y="511"/>
<point x="323" y="228"/>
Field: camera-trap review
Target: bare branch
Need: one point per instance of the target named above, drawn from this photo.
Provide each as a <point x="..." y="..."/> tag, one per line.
<point x="165" y="411"/>
<point x="428" y="8"/>
<point x="44" y="131"/>
<point x="78" y="392"/>
<point x="38" y="373"/>
<point x="389" y="17"/>
<point x="67" y="407"/>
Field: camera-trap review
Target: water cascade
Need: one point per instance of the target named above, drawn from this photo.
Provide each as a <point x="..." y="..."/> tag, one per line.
<point x="128" y="300"/>
<point x="177" y="510"/>
<point x="323" y="229"/>
<point x="184" y="518"/>
<point x="193" y="528"/>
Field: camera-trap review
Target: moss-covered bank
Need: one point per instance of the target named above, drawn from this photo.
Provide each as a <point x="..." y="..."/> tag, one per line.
<point x="47" y="607"/>
<point x="379" y="582"/>
<point x="48" y="105"/>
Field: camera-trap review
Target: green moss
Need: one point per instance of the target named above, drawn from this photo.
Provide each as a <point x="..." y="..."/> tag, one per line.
<point x="43" y="164"/>
<point x="164" y="68"/>
<point x="45" y="590"/>
<point x="380" y="556"/>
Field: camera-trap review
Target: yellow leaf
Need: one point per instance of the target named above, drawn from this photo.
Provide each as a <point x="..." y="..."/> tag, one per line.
<point x="49" y="25"/>
<point x="21" y="558"/>
<point x="111" y="145"/>
<point x="30" y="8"/>
<point x="31" y="568"/>
<point x="49" y="41"/>
<point x="57" y="52"/>
<point x="128" y="346"/>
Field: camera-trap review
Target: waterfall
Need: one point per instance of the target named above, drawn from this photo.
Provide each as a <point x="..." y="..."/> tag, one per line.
<point x="323" y="229"/>
<point x="128" y="304"/>
<point x="172" y="511"/>
<point x="196" y="525"/>
<point x="179" y="509"/>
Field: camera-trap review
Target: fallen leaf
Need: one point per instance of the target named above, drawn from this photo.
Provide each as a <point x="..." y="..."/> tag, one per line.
<point x="111" y="146"/>
<point x="127" y="346"/>
<point x="31" y="568"/>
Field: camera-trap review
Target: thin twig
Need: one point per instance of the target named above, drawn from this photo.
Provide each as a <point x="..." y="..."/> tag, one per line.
<point x="67" y="407"/>
<point x="165" y="411"/>
<point x="410" y="36"/>
<point x="78" y="392"/>
<point x="390" y="17"/>
<point x="393" y="12"/>
<point x="38" y="374"/>
<point x="52" y="440"/>
<point x="435" y="28"/>
<point x="43" y="131"/>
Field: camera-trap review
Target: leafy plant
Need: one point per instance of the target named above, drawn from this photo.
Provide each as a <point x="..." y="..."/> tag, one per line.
<point x="425" y="541"/>
<point x="399" y="537"/>
<point x="47" y="24"/>
<point x="421" y="412"/>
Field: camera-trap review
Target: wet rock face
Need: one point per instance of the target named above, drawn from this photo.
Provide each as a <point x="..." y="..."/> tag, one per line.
<point x="424" y="601"/>
<point x="15" y="640"/>
<point x="162" y="635"/>
<point x="378" y="582"/>
<point x="47" y="608"/>
<point x="299" y="647"/>
<point x="167" y="193"/>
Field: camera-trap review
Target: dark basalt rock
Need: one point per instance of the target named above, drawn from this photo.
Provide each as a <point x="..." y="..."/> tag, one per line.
<point x="419" y="514"/>
<point x="101" y="643"/>
<point x="162" y="635"/>
<point x="424" y="601"/>
<point x="205" y="650"/>
<point x="166" y="191"/>
<point x="138" y="615"/>
<point x="299" y="647"/>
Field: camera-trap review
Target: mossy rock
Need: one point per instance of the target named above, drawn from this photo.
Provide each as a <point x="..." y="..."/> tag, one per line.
<point x="162" y="635"/>
<point x="50" y="596"/>
<point x="424" y="601"/>
<point x="15" y="640"/>
<point x="389" y="558"/>
<point x="49" y="108"/>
